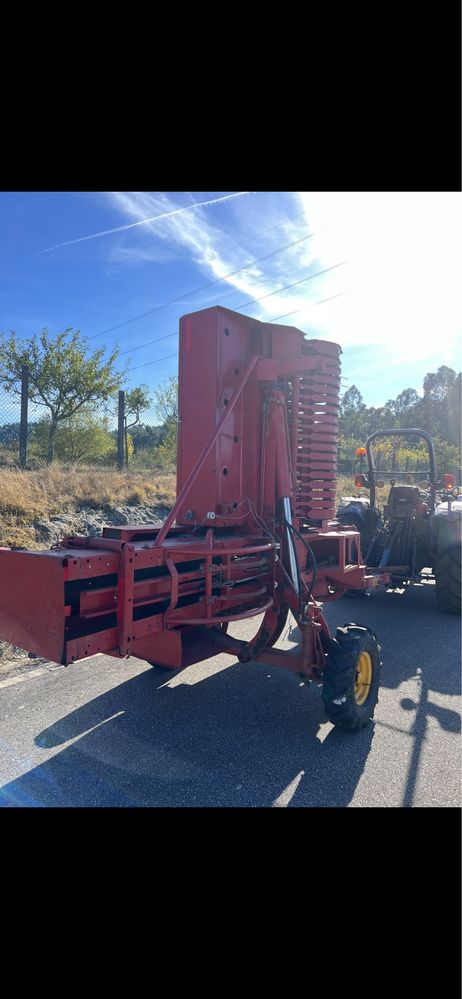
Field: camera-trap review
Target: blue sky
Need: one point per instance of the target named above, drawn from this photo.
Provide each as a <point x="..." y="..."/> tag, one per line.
<point x="390" y="294"/>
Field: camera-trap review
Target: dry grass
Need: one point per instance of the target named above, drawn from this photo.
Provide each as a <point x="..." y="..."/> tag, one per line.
<point x="26" y="497"/>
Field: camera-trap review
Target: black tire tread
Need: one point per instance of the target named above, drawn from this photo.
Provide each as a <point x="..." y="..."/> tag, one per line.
<point x="448" y="578"/>
<point x="339" y="677"/>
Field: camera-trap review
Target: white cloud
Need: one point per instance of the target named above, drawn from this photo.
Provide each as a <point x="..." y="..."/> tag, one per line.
<point x="146" y="221"/>
<point x="403" y="253"/>
<point x="218" y="254"/>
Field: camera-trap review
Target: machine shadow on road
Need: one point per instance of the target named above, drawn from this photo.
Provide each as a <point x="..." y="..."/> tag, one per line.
<point x="419" y="643"/>
<point x="412" y="632"/>
<point x="243" y="735"/>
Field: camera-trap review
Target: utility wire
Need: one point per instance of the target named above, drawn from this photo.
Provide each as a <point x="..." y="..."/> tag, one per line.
<point x="157" y="360"/>
<point x="169" y="335"/>
<point x="194" y="291"/>
<point x="131" y="350"/>
<point x="172" y="277"/>
<point x="260" y="280"/>
<point x="284" y="288"/>
<point x="309" y="306"/>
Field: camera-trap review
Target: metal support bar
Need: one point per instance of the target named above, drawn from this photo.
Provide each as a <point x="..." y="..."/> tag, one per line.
<point x="121" y="431"/>
<point x="23" y="423"/>
<point x="125" y="594"/>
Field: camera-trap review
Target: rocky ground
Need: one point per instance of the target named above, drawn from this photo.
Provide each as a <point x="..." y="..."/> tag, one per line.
<point x="86" y="521"/>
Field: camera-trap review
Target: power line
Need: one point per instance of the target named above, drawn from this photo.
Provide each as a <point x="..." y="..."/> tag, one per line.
<point x="121" y="301"/>
<point x="157" y="360"/>
<point x="284" y="288"/>
<point x="312" y="304"/>
<point x="131" y="350"/>
<point x="194" y="291"/>
<point x="309" y="306"/>
<point x="260" y="280"/>
<point x="135" y="294"/>
<point x="252" y="300"/>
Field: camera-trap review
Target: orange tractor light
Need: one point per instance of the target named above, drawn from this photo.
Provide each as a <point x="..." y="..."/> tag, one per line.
<point x="448" y="480"/>
<point x="360" y="452"/>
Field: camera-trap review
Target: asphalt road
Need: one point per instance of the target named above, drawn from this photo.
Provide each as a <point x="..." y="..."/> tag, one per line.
<point x="107" y="732"/>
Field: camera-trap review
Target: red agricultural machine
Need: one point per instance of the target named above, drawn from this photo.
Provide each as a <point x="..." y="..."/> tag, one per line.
<point x="252" y="533"/>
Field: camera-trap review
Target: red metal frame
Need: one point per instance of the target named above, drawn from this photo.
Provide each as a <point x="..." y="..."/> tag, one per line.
<point x="258" y="408"/>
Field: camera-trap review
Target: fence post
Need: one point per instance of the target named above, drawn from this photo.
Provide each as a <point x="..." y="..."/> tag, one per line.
<point x="121" y="431"/>
<point x="23" y="423"/>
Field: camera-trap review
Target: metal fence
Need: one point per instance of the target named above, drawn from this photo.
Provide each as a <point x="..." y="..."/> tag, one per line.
<point x="98" y="434"/>
<point x="403" y="469"/>
<point x="89" y="437"/>
<point x="104" y="435"/>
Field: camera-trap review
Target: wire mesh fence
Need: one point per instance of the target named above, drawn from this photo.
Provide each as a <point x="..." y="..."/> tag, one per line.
<point x="29" y="440"/>
<point x="101" y="434"/>
<point x="108" y="434"/>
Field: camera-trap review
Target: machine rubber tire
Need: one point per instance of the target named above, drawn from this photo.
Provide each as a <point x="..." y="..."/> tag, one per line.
<point x="448" y="578"/>
<point x="353" y="650"/>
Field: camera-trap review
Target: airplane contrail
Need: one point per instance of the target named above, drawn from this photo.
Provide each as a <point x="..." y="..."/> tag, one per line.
<point x="153" y="218"/>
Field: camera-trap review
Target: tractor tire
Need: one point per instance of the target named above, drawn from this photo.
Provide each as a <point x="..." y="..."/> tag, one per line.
<point x="351" y="677"/>
<point x="448" y="578"/>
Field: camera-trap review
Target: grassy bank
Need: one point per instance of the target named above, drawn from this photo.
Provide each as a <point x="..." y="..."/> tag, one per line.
<point x="26" y="497"/>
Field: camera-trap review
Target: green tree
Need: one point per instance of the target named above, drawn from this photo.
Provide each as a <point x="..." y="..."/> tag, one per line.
<point x="166" y="408"/>
<point x="145" y="436"/>
<point x="440" y="391"/>
<point x="437" y="385"/>
<point x="166" y="400"/>
<point x="352" y="413"/>
<point x="403" y="406"/>
<point x="136" y="400"/>
<point x="63" y="376"/>
<point x="81" y="438"/>
<point x="454" y="414"/>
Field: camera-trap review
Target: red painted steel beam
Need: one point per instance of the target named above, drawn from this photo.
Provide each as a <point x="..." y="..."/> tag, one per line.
<point x="205" y="453"/>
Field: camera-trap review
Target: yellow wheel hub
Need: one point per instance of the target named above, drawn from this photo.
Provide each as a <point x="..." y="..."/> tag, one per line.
<point x="363" y="678"/>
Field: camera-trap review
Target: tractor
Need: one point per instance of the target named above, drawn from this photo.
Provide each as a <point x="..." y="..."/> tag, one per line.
<point x="417" y="534"/>
<point x="252" y="534"/>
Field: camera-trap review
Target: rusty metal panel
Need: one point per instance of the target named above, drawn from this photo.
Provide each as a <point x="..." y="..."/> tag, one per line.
<point x="90" y="645"/>
<point x="32" y="608"/>
<point x="85" y="564"/>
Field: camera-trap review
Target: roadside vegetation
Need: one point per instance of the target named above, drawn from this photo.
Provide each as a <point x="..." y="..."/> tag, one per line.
<point x="28" y="496"/>
<point x="72" y="450"/>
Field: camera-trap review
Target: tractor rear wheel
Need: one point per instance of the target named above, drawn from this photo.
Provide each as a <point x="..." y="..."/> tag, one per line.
<point x="448" y="578"/>
<point x="351" y="677"/>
